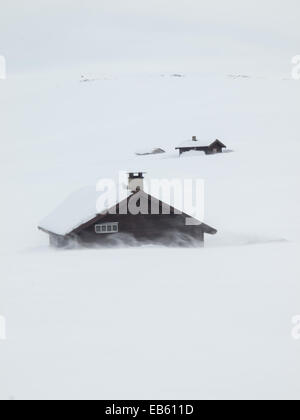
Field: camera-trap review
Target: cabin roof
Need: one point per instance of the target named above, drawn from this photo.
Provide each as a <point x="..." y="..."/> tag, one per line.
<point x="219" y="143"/>
<point x="198" y="143"/>
<point x="80" y="208"/>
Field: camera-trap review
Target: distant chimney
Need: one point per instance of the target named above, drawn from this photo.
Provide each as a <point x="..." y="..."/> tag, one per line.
<point x="136" y="181"/>
<point x="194" y="138"/>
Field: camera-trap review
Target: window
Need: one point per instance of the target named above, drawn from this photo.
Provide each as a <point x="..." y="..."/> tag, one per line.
<point x="107" y="228"/>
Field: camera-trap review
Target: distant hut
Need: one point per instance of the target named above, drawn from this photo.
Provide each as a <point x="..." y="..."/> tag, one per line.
<point x="156" y="151"/>
<point x="196" y="145"/>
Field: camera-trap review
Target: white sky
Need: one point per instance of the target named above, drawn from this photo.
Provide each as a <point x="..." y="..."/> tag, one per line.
<point x="258" y="36"/>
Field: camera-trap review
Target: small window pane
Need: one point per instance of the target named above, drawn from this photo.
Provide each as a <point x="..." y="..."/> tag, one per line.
<point x="107" y="228"/>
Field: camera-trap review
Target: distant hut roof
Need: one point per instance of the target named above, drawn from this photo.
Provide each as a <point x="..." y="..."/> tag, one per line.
<point x="193" y="143"/>
<point x="153" y="151"/>
<point x="198" y="143"/>
<point x="218" y="142"/>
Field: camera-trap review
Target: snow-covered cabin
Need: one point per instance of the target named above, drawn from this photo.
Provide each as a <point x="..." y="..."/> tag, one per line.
<point x="139" y="218"/>
<point x="201" y="146"/>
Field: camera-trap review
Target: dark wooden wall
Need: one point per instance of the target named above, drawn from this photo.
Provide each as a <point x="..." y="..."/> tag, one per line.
<point x="169" y="230"/>
<point x="207" y="150"/>
<point x="157" y="229"/>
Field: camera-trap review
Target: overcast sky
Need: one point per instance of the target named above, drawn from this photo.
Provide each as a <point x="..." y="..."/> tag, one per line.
<point x="257" y="36"/>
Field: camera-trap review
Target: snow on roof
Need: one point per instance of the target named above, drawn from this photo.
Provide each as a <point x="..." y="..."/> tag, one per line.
<point x="195" y="143"/>
<point x="79" y="208"/>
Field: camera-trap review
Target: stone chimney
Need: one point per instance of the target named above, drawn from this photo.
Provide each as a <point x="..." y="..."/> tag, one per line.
<point x="136" y="181"/>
